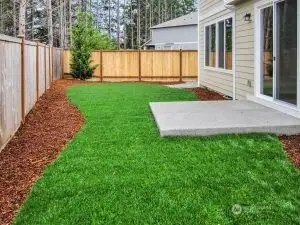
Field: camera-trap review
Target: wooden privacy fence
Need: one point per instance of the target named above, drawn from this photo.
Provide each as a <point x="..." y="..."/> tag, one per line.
<point x="142" y="65"/>
<point x="26" y="72"/>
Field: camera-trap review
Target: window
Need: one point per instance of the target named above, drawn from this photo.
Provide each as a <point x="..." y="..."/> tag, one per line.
<point x="218" y="44"/>
<point x="221" y="44"/>
<point x="228" y="39"/>
<point x="210" y="48"/>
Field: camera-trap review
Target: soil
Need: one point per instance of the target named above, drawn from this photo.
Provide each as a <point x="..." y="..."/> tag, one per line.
<point x="47" y="129"/>
<point x="205" y="94"/>
<point x="291" y="145"/>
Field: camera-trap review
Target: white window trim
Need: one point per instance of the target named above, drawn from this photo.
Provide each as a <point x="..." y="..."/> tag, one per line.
<point x="216" y="22"/>
<point x="298" y="55"/>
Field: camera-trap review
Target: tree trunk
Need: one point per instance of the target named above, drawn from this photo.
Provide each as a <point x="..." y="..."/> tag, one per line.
<point x="118" y="26"/>
<point x="165" y="11"/>
<point x="70" y="23"/>
<point x="50" y="26"/>
<point x="139" y="25"/>
<point x="146" y="21"/>
<point x="22" y="14"/>
<point x="62" y="32"/>
<point x="14" y="18"/>
<point x="124" y="23"/>
<point x="97" y="16"/>
<point x="65" y="24"/>
<point x="109" y="18"/>
<point x="159" y="11"/>
<point x="131" y="24"/>
<point x="32" y="19"/>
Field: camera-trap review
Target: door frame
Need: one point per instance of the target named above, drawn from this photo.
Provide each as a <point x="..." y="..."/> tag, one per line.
<point x="258" y="29"/>
<point x="298" y="56"/>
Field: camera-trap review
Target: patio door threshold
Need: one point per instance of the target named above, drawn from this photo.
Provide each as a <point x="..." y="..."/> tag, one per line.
<point x="279" y="106"/>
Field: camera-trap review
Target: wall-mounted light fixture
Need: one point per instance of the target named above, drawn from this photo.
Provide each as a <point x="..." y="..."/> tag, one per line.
<point x="247" y="17"/>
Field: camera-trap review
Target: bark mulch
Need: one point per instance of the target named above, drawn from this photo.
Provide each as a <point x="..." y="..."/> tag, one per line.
<point x="291" y="145"/>
<point x="48" y="128"/>
<point x="205" y="94"/>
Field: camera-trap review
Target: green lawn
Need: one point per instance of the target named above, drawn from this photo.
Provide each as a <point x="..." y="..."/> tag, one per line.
<point x="117" y="170"/>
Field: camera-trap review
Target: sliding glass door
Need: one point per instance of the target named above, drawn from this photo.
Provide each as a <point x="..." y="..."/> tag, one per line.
<point x="267" y="51"/>
<point x="279" y="51"/>
<point x="286" y="51"/>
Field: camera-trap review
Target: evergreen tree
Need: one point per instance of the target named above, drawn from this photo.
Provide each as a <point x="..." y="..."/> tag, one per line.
<point x="85" y="38"/>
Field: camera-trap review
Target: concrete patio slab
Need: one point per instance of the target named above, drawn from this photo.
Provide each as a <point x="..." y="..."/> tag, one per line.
<point x="198" y="118"/>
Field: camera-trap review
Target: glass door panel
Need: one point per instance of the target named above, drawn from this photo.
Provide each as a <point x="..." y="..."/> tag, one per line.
<point x="267" y="51"/>
<point x="286" y="51"/>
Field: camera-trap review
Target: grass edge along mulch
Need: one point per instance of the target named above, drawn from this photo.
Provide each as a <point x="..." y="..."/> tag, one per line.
<point x="291" y="144"/>
<point x="36" y="144"/>
<point x="137" y="176"/>
<point x="49" y="126"/>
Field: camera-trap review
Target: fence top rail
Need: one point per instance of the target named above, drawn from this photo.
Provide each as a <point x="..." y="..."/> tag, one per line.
<point x="10" y="39"/>
<point x="125" y="51"/>
<point x="30" y="43"/>
<point x="56" y="48"/>
<point x="42" y="44"/>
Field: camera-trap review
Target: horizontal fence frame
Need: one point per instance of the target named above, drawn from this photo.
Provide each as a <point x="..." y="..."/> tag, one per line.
<point x="105" y="76"/>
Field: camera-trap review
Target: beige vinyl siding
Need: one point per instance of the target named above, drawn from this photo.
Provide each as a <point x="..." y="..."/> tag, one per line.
<point x="218" y="81"/>
<point x="208" y="5"/>
<point x="244" y="50"/>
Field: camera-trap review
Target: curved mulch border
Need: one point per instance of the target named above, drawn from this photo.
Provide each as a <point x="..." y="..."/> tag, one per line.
<point x="48" y="128"/>
<point x="291" y="145"/>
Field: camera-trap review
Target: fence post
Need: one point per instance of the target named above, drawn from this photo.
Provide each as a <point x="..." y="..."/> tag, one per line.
<point x="52" y="62"/>
<point x="23" y="79"/>
<point x="180" y="65"/>
<point x="45" y="66"/>
<point x="37" y="68"/>
<point x="140" y="66"/>
<point x="62" y="62"/>
<point x="101" y="66"/>
<point x="50" y="68"/>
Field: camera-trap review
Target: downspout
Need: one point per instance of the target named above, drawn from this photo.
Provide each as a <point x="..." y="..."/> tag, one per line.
<point x="232" y="8"/>
<point x="199" y="62"/>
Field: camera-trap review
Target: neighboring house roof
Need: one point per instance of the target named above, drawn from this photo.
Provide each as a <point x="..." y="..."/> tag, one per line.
<point x="190" y="19"/>
<point x="149" y="42"/>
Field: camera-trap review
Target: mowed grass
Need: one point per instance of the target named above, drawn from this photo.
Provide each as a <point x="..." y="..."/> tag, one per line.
<point x="117" y="170"/>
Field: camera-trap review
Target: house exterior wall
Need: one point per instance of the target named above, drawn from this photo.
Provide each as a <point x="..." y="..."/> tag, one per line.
<point x="244" y="42"/>
<point x="245" y="45"/>
<point x="213" y="78"/>
<point x="183" y="37"/>
<point x="208" y="5"/>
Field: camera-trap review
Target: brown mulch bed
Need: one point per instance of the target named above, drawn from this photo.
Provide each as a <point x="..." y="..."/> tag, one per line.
<point x="205" y="94"/>
<point x="48" y="127"/>
<point x="291" y="145"/>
